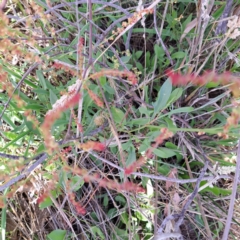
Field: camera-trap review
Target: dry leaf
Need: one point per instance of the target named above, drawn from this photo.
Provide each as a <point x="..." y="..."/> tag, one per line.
<point x="176" y="200"/>
<point x="172" y="174"/>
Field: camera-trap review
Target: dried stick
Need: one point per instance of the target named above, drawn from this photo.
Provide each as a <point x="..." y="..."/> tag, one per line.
<point x="80" y="103"/>
<point x="198" y="199"/>
<point x="192" y="196"/>
<point x="160" y="38"/>
<point x="25" y="173"/>
<point x="41" y="158"/>
<point x="129" y="27"/>
<point x="18" y="85"/>
<point x="160" y="177"/>
<point x="180" y="216"/>
<point x="3" y="5"/>
<point x="166" y="220"/>
<point x="13" y="157"/>
<point x="86" y="1"/>
<point x="233" y="196"/>
<point x="38" y="39"/>
<point x="90" y="32"/>
<point x="222" y="25"/>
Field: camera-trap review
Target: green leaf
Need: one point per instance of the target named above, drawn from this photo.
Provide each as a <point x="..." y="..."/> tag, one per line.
<point x="112" y="213"/>
<point x="41" y="148"/>
<point x="158" y="51"/>
<point x="173" y="146"/>
<point x="120" y="199"/>
<point x="145" y="110"/>
<point x="126" y="59"/>
<point x="163" y="97"/>
<point x="131" y="155"/>
<point x="118" y="115"/>
<point x="213" y="100"/>
<point x="188" y="20"/>
<point x="94" y="216"/>
<point x="139" y="66"/>
<point x="179" y="110"/>
<point x="148" y="60"/>
<point x="16" y="139"/>
<point x="178" y="55"/>
<point x="53" y="97"/>
<point x="57" y="234"/>
<point x="105" y="201"/>
<point x="218" y="13"/>
<point x="124" y="218"/>
<point x="140" y="216"/>
<point x="215" y="190"/>
<point x="10" y="135"/>
<point x="140" y="121"/>
<point x="30" y="125"/>
<point x="41" y="79"/>
<point x="164" y="152"/>
<point x="103" y="80"/>
<point x="76" y="183"/>
<point x="48" y="201"/>
<point x="109" y="89"/>
<point x="120" y="233"/>
<point x="164" y="170"/>
<point x="8" y="121"/>
<point x="212" y="84"/>
<point x="25" y="98"/>
<point x="41" y="91"/>
<point x="96" y="231"/>
<point x="29" y="83"/>
<point x="35" y="107"/>
<point x="175" y="95"/>
<point x="169" y="121"/>
<point x="127" y="145"/>
<point x="138" y="54"/>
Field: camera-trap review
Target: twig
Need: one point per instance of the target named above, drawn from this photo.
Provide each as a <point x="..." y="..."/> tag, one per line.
<point x="166" y="220"/>
<point x="160" y="38"/>
<point x="233" y="196"/>
<point x="80" y="103"/>
<point x="13" y="157"/>
<point x="180" y="216"/>
<point x="68" y="133"/>
<point x="128" y="27"/>
<point x="38" y="39"/>
<point x="192" y="196"/>
<point x="198" y="198"/>
<point x="86" y="1"/>
<point x="24" y="174"/>
<point x="180" y="181"/>
<point x="18" y="85"/>
<point x="165" y="236"/>
<point x="222" y="25"/>
<point x="163" y="178"/>
<point x="41" y="158"/>
<point x="203" y="19"/>
<point x="90" y="32"/>
<point x="127" y="44"/>
<point x="3" y="5"/>
<point x="230" y="56"/>
<point x="112" y="124"/>
<point x="108" y="30"/>
<point x="107" y="161"/>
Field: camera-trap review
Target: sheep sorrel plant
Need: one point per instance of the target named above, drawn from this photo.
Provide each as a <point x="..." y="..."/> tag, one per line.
<point x="112" y="126"/>
<point x="224" y="79"/>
